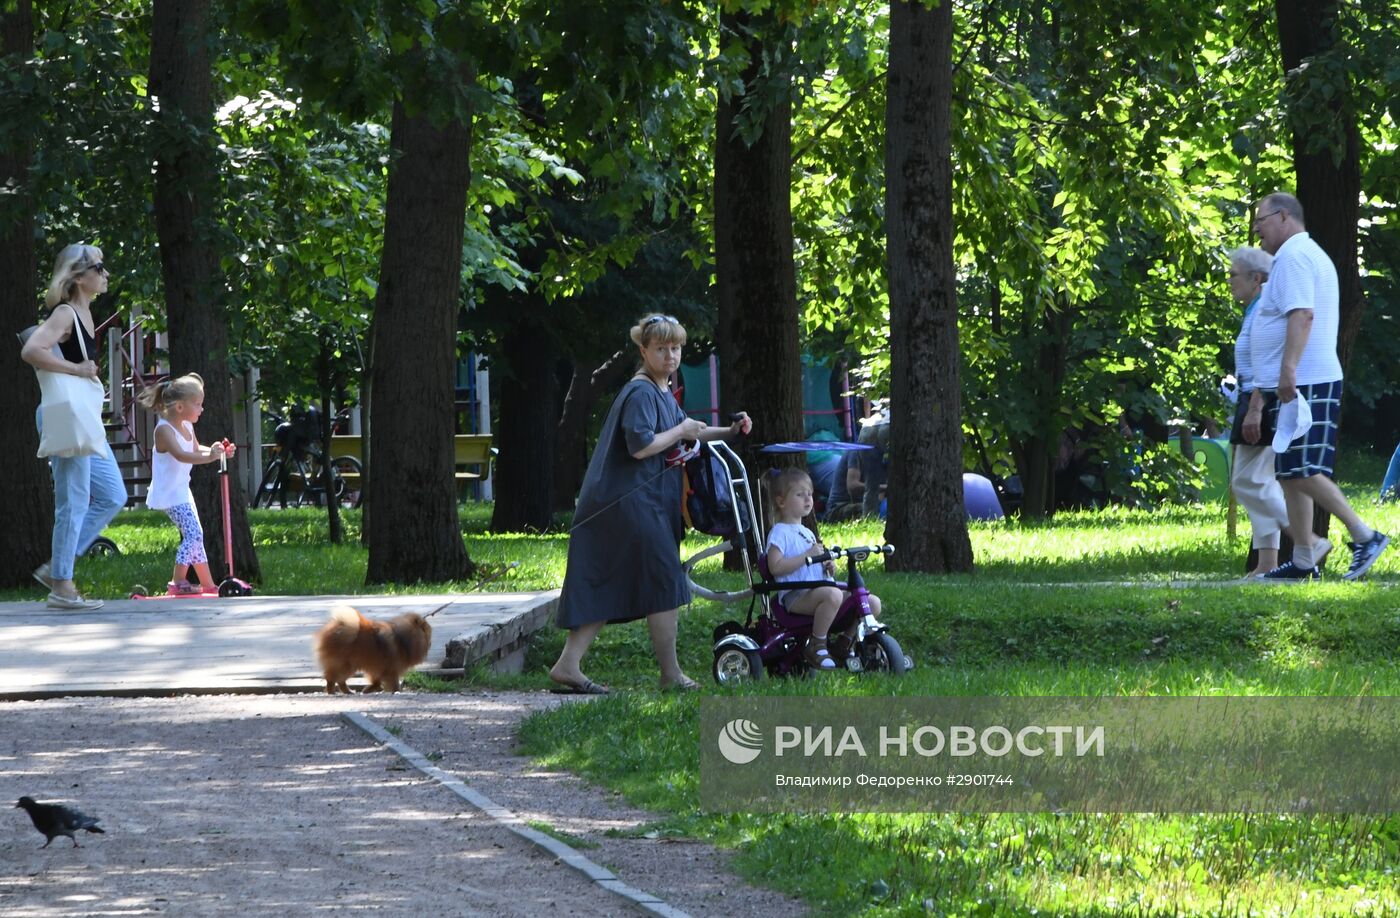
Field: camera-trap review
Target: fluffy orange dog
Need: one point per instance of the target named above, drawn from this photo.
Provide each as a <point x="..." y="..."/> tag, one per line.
<point x="383" y="651"/>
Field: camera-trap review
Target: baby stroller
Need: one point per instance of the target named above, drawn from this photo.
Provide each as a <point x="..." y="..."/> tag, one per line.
<point x="719" y="502"/>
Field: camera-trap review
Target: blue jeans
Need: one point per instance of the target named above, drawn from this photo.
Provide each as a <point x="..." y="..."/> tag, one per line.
<point x="1390" y="486"/>
<point x="87" y="493"/>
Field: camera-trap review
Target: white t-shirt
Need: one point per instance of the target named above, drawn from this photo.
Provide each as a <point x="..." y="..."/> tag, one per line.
<point x="1303" y="277"/>
<point x="170" y="478"/>
<point x="794" y="540"/>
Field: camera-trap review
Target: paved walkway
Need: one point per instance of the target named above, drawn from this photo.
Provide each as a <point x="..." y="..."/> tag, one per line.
<point x="245" y="644"/>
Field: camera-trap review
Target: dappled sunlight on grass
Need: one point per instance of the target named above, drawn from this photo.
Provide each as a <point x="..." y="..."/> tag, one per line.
<point x="1082" y="864"/>
<point x="642" y="745"/>
<point x="1156" y="546"/>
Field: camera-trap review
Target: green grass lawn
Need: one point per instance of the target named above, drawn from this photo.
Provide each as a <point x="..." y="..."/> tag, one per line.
<point x="644" y="745"/>
<point x="1043" y="614"/>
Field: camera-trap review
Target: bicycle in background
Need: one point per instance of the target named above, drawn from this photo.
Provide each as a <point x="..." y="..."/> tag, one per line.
<point x="293" y="475"/>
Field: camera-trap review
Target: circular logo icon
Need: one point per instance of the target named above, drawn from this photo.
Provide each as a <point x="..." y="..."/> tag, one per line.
<point x="740" y="741"/>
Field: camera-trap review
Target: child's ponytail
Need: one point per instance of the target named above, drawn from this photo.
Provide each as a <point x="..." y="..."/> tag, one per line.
<point x="160" y="396"/>
<point x="766" y="482"/>
<point x="152" y="398"/>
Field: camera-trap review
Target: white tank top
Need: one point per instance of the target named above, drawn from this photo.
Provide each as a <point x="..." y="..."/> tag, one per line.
<point x="170" y="478"/>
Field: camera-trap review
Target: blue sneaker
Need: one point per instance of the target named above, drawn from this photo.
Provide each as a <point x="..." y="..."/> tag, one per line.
<point x="1288" y="572"/>
<point x="1365" y="554"/>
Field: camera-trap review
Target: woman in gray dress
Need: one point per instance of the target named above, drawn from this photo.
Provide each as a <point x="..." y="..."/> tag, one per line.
<point x="624" y="559"/>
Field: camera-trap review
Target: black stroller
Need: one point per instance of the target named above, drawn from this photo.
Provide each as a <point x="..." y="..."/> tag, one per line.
<point x="719" y="501"/>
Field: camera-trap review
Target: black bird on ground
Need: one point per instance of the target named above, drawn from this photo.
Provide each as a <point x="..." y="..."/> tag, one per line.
<point x="55" y="820"/>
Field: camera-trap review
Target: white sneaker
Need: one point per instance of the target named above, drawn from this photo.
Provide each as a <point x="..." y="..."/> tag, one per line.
<point x="77" y="603"/>
<point x="44" y="576"/>
<point x="1321" y="549"/>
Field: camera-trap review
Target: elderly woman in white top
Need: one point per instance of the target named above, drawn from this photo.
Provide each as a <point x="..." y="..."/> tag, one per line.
<point x="1252" y="472"/>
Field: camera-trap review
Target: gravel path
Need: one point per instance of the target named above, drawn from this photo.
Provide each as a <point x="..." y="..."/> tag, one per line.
<point x="274" y="804"/>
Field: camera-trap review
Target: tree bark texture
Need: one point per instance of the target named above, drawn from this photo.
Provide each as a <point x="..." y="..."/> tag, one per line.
<point x="760" y="359"/>
<point x="529" y="418"/>
<point x="413" y="529"/>
<point x="186" y="188"/>
<point x="324" y="377"/>
<point x="1328" y="174"/>
<point x="571" y="438"/>
<point x="926" y="521"/>
<point x="1037" y="455"/>
<point x="25" y="537"/>
<point x="367" y="434"/>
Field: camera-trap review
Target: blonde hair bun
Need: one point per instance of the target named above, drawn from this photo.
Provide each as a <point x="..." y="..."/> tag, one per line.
<point x="658" y="327"/>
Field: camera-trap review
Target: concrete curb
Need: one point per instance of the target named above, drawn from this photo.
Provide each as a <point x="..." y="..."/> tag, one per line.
<point x="502" y="644"/>
<point x="509" y="820"/>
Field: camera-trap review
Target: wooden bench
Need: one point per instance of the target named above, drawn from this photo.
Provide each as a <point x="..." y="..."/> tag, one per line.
<point x="472" y="455"/>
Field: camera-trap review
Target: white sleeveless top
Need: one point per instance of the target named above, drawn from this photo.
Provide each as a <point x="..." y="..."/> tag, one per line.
<point x="170" y="478"/>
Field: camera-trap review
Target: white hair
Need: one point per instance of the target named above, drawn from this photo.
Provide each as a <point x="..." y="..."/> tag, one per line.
<point x="1252" y="259"/>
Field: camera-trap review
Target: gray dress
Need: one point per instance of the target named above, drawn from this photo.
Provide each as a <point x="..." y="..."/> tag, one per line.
<point x="624" y="557"/>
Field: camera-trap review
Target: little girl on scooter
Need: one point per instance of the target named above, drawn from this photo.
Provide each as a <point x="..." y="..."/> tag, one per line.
<point x="792" y="557"/>
<point x="179" y="403"/>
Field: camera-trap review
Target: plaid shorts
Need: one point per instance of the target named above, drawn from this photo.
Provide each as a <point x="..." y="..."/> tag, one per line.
<point x="1315" y="452"/>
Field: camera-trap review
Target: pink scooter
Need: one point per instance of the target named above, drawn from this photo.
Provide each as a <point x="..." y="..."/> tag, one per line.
<point x="231" y="586"/>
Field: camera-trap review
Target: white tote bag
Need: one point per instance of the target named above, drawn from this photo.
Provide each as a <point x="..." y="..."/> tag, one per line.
<point x="70" y="410"/>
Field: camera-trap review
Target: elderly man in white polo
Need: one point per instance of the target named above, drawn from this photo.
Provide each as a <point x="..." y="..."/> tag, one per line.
<point x="1294" y="350"/>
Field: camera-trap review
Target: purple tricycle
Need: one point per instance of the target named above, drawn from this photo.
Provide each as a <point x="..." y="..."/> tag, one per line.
<point x="770" y="640"/>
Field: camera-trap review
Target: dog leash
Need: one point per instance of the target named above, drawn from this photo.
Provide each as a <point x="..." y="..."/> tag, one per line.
<point x="676" y="458"/>
<point x="478" y="585"/>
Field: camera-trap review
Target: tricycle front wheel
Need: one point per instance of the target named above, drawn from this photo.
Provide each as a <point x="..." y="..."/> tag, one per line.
<point x="881" y="653"/>
<point x="737" y="665"/>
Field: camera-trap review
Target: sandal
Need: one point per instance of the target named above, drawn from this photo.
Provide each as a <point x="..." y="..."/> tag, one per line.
<point x="817" y="655"/>
<point x="586" y="687"/>
<point x="685" y="685"/>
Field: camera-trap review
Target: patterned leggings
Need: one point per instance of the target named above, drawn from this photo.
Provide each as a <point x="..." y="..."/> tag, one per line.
<point x="191" y="550"/>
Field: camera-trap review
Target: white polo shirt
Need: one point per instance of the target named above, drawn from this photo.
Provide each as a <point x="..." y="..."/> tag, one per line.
<point x="1303" y="277"/>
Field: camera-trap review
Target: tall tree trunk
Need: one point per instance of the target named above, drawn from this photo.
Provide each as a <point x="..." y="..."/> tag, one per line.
<point x="1037" y="457"/>
<point x="528" y="390"/>
<point x="185" y="195"/>
<point x="1326" y="150"/>
<point x="1035" y="463"/>
<point x="25" y="537"/>
<point x="325" y="378"/>
<point x="412" y="527"/>
<point x="926" y="519"/>
<point x="1328" y="173"/>
<point x="367" y="434"/>
<point x="759" y="356"/>
<point x="571" y="438"/>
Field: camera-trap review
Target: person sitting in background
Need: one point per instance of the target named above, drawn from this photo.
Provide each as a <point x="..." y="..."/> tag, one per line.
<point x="843" y="501"/>
<point x="874" y="431"/>
<point x="822" y="465"/>
<point x="1390" y="485"/>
